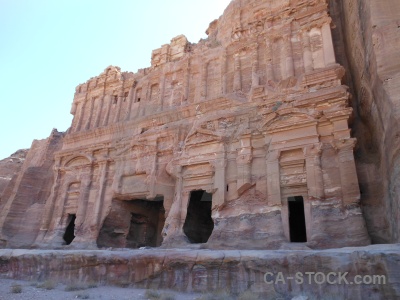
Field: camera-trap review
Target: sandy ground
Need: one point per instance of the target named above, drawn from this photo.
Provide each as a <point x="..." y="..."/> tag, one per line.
<point x="30" y="291"/>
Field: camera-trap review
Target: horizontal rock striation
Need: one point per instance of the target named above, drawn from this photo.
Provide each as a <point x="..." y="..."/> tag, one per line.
<point x="205" y="271"/>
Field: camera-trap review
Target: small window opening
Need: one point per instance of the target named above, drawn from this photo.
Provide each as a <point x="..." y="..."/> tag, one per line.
<point x="138" y="99"/>
<point x="297" y="220"/>
<point x="115" y="99"/>
<point x="199" y="225"/>
<point x="70" y="230"/>
<point x="227" y="187"/>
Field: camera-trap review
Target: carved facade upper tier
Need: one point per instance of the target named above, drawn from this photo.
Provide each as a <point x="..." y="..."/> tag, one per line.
<point x="266" y="51"/>
<point x="244" y="135"/>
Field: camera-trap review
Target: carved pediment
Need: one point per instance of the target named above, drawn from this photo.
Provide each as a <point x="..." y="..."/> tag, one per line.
<point x="201" y="136"/>
<point x="288" y="117"/>
<point x="124" y="151"/>
<point x="76" y="161"/>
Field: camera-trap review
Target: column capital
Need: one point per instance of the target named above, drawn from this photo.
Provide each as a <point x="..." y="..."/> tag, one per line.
<point x="313" y="150"/>
<point x="218" y="163"/>
<point x="344" y="144"/>
<point x="243" y="159"/>
<point x="273" y="155"/>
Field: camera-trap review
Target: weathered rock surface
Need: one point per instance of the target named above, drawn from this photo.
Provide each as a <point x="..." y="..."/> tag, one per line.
<point x="22" y="207"/>
<point x="204" y="270"/>
<point x="255" y="118"/>
<point x="10" y="167"/>
<point x="371" y="39"/>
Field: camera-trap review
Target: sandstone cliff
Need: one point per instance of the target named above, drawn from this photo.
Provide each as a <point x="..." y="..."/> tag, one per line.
<point x="10" y="167"/>
<point x="254" y="120"/>
<point x="367" y="39"/>
<point x="23" y="199"/>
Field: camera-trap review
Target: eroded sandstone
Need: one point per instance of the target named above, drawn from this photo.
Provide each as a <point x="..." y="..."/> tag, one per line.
<point x="207" y="271"/>
<point x="254" y="120"/>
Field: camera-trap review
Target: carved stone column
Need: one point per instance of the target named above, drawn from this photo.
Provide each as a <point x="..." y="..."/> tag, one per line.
<point x="151" y="151"/>
<point x="315" y="182"/>
<point x="98" y="205"/>
<point x="89" y="119"/>
<point x="147" y="92"/>
<point x="289" y="70"/>
<point x="131" y="99"/>
<point x="108" y="103"/>
<point x="146" y="97"/>
<point x="268" y="58"/>
<point x="255" y="80"/>
<point x="83" y="200"/>
<point x="219" y="178"/>
<point x="348" y="173"/>
<point x="98" y="111"/>
<point x="80" y="108"/>
<point x="120" y="99"/>
<point x="273" y="178"/>
<point x="50" y="203"/>
<point x="224" y="60"/>
<point x="237" y="78"/>
<point x="307" y="54"/>
<point x="187" y="80"/>
<point x="173" y="229"/>
<point x="204" y="71"/>
<point x="317" y="48"/>
<point x="162" y="92"/>
<point x="329" y="52"/>
<point x="52" y="230"/>
<point x="243" y="162"/>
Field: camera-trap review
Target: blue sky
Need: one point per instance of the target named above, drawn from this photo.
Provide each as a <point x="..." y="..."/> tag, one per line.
<point x="48" y="47"/>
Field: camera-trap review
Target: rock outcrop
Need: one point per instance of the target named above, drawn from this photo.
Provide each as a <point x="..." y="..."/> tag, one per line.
<point x="10" y="167"/>
<point x="368" y="38"/>
<point x="23" y="200"/>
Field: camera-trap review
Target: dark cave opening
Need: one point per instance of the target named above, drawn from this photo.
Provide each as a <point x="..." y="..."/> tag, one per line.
<point x="147" y="220"/>
<point x="198" y="223"/>
<point x="70" y="230"/>
<point x="297" y="220"/>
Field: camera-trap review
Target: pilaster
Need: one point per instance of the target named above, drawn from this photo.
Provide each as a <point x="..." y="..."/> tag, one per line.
<point x="315" y="183"/>
<point x="273" y="178"/>
<point x="348" y="173"/>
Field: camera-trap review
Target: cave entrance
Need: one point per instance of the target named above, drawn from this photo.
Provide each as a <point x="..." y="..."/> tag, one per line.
<point x="198" y="223"/>
<point x="147" y="220"/>
<point x="70" y="230"/>
<point x="297" y="220"/>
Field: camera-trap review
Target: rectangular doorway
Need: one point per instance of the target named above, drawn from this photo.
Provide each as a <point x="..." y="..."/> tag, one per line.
<point x="69" y="234"/>
<point x="297" y="220"/>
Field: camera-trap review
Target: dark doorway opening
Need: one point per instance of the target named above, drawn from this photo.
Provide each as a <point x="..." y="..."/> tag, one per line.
<point x="69" y="231"/>
<point x="133" y="224"/>
<point x="147" y="220"/>
<point x="199" y="224"/>
<point x="297" y="220"/>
